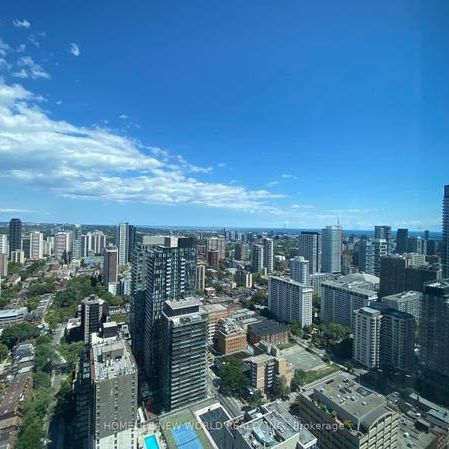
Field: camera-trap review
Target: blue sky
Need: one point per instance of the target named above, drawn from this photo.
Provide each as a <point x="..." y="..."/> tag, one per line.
<point x="255" y="113"/>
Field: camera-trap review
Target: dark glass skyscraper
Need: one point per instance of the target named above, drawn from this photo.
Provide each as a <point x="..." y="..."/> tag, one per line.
<point x="445" y="259"/>
<point x="401" y="240"/>
<point x="15" y="235"/>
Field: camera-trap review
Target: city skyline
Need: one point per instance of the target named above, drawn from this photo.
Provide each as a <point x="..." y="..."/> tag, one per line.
<point x="212" y="134"/>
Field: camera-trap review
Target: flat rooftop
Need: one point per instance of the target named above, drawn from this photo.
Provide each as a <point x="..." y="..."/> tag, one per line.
<point x="350" y="287"/>
<point x="268" y="327"/>
<point x="350" y="400"/>
<point x="272" y="427"/>
<point x="403" y="296"/>
<point x="111" y="357"/>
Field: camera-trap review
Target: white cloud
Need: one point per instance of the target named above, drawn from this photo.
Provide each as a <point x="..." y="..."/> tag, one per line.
<point x="74" y="49"/>
<point x="4" y="64"/>
<point x="272" y="183"/>
<point x="30" y="69"/>
<point x="4" y="48"/>
<point x="21" y="23"/>
<point x="35" y="38"/>
<point x="15" y="211"/>
<point x="288" y="176"/>
<point x="97" y="164"/>
<point x="123" y="116"/>
<point x="21" y="48"/>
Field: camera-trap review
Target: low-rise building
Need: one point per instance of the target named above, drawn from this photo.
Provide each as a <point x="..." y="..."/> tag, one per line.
<point x="231" y="337"/>
<point x="268" y="330"/>
<point x="215" y="312"/>
<point x="9" y="317"/>
<point x="344" y="414"/>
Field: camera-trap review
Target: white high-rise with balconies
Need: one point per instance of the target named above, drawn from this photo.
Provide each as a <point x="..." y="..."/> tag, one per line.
<point x="366" y="345"/>
<point x="36" y="245"/>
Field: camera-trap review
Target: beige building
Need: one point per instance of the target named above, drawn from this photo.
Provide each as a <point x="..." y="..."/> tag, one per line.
<point x="349" y="415"/>
<point x="231" y="337"/>
<point x="215" y="312"/>
<point x="264" y="369"/>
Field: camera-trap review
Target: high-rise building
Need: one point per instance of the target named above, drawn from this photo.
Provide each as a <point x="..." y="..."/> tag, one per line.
<point x="243" y="279"/>
<point x="417" y="245"/>
<point x="433" y="336"/>
<point x="26" y="244"/>
<point x="4" y="244"/>
<point x="408" y="302"/>
<point x="445" y="252"/>
<point x="401" y="240"/>
<point x="370" y="252"/>
<point x="36" y="245"/>
<point x="132" y="241"/>
<point x="217" y="244"/>
<point x="268" y="255"/>
<point x="63" y="245"/>
<point x="3" y="266"/>
<point x="170" y="276"/>
<point x="416" y="277"/>
<point x="213" y="259"/>
<point x="184" y="353"/>
<point x="96" y="242"/>
<point x="257" y="258"/>
<point x="91" y="316"/>
<point x="200" y="277"/>
<point x="340" y="299"/>
<point x="137" y="301"/>
<point x="289" y="300"/>
<point x="18" y="256"/>
<point x="397" y="340"/>
<point x="122" y="243"/>
<point x="299" y="269"/>
<point x="366" y="327"/>
<point x="15" y="235"/>
<point x="76" y="242"/>
<point x="310" y="249"/>
<point x="110" y="265"/>
<point x="241" y="251"/>
<point x="384" y="233"/>
<point x="114" y="394"/>
<point x="331" y="250"/>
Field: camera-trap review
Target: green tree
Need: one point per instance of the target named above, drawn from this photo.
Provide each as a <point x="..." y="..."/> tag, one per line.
<point x="3" y="351"/>
<point x="280" y="388"/>
<point x="233" y="377"/>
<point x="18" y="333"/>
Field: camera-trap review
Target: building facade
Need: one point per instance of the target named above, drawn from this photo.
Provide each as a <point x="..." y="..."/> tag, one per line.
<point x="366" y="344"/>
<point x="289" y="300"/>
<point x="310" y="248"/>
<point x="183" y="362"/>
<point x="331" y="250"/>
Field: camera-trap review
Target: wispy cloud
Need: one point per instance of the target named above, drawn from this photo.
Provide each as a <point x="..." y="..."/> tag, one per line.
<point x="21" y="23"/>
<point x="21" y="48"/>
<point x="15" y="211"/>
<point x="96" y="164"/>
<point x="123" y="116"/>
<point x="74" y="49"/>
<point x="30" y="69"/>
<point x="272" y="183"/>
<point x="288" y="176"/>
<point x="35" y="38"/>
<point x="4" y="48"/>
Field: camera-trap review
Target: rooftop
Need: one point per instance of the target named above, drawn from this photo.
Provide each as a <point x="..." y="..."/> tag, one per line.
<point x="273" y="427"/>
<point x="268" y="327"/>
<point x="350" y="400"/>
<point x="111" y="357"/>
<point x="403" y="296"/>
<point x="350" y="287"/>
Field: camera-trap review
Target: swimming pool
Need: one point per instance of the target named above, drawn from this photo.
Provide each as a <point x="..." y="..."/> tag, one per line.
<point x="151" y="442"/>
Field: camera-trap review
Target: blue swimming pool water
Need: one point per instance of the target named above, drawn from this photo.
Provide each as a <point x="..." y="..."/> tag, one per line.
<point x="151" y="442"/>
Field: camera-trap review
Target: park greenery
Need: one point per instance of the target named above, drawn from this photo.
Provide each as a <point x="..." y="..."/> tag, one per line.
<point x="18" y="333"/>
<point x="302" y="377"/>
<point x="66" y="301"/>
<point x="233" y="377"/>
